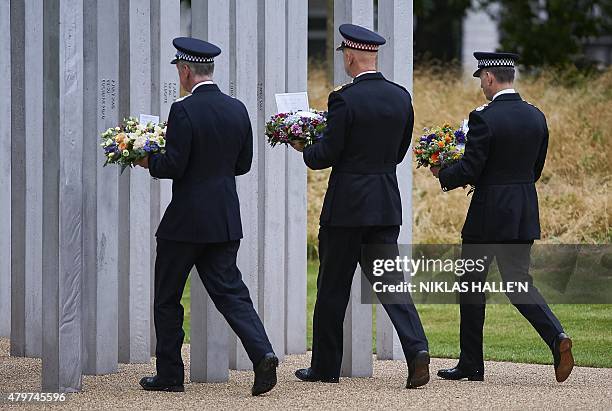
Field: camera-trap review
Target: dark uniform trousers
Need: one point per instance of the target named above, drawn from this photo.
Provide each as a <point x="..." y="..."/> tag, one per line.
<point x="513" y="259"/>
<point x="369" y="128"/>
<point x="216" y="264"/>
<point x="340" y="249"/>
<point x="504" y="157"/>
<point x="209" y="142"/>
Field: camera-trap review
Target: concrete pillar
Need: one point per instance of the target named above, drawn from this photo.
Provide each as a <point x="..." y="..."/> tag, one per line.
<point x="357" y="346"/>
<point x="357" y="352"/>
<point x="100" y="189"/>
<point x="34" y="157"/>
<point x="165" y="26"/>
<point x="272" y="79"/>
<point x="135" y="307"/>
<point x="395" y="61"/>
<point x="210" y="20"/>
<point x="63" y="197"/>
<point x="186" y="18"/>
<point x="295" y="233"/>
<point x="5" y="168"/>
<point x="18" y="175"/>
<point x="244" y="86"/>
<point x="27" y="178"/>
<point x="123" y="297"/>
<point x="209" y="337"/>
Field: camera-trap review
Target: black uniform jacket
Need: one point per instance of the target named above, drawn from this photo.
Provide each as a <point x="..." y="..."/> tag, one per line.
<point x="369" y="128"/>
<point x="504" y="157"/>
<point x="209" y="141"/>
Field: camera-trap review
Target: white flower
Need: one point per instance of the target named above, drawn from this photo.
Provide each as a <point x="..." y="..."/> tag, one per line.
<point x="125" y="153"/>
<point x="161" y="142"/>
<point x="140" y="141"/>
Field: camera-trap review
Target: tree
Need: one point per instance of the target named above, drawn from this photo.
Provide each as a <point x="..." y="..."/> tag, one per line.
<point x="550" y="32"/>
<point x="438" y="28"/>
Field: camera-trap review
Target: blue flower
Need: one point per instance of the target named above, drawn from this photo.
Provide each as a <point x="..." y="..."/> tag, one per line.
<point x="150" y="146"/>
<point x="111" y="148"/>
<point x="459" y="136"/>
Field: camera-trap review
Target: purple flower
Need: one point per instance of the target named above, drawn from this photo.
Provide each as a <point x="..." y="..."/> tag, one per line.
<point x="111" y="148"/>
<point x="459" y="136"/>
<point x="296" y="129"/>
<point x="150" y="146"/>
<point x="430" y="138"/>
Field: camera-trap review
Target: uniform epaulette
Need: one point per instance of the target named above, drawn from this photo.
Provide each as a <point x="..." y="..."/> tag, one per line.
<point x="182" y="98"/>
<point x="342" y="87"/>
<point x="484" y="106"/>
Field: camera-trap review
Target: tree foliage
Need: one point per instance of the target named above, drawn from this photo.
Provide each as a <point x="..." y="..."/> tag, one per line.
<point x="438" y="28"/>
<point x="550" y="32"/>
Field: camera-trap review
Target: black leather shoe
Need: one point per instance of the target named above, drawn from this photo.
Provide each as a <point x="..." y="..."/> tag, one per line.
<point x="562" y="356"/>
<point x="307" y="374"/>
<point x="157" y="384"/>
<point x="265" y="374"/>
<point x="418" y="370"/>
<point x="459" y="374"/>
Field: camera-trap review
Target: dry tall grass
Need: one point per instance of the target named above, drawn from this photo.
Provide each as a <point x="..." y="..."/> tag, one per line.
<point x="574" y="189"/>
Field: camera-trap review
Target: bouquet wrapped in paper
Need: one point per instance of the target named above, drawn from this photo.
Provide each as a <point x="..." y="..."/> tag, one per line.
<point x="300" y="126"/>
<point x="131" y="141"/>
<point x="441" y="146"/>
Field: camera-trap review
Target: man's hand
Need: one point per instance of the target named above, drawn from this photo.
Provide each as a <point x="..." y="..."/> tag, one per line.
<point x="143" y="162"/>
<point x="435" y="171"/>
<point x="298" y="145"/>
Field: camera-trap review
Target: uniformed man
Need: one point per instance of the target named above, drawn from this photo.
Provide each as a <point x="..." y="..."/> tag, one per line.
<point x="209" y="142"/>
<point x="369" y="129"/>
<point x="504" y="157"/>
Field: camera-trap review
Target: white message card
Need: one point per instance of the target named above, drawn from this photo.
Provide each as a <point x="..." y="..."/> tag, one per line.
<point x="147" y="118"/>
<point x="286" y="102"/>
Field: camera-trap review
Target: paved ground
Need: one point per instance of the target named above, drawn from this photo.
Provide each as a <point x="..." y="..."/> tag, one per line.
<point x="507" y="386"/>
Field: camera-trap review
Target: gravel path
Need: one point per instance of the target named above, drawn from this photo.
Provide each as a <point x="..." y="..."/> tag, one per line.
<point x="506" y="386"/>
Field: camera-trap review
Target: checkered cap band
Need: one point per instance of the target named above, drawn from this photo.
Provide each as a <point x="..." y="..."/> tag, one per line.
<point x="194" y="59"/>
<point x="495" y="63"/>
<point x="360" y="46"/>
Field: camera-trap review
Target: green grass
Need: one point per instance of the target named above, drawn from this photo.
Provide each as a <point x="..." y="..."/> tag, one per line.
<point x="507" y="337"/>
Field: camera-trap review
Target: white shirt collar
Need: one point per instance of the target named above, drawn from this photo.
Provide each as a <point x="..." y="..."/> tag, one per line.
<point x="505" y="91"/>
<point x="201" y="83"/>
<point x="366" y="72"/>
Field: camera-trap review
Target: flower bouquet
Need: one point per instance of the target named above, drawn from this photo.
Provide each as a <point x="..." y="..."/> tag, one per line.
<point x="131" y="141"/>
<point x="441" y="146"/>
<point x="304" y="126"/>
